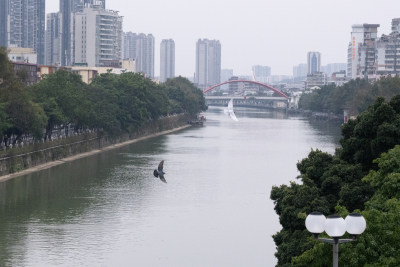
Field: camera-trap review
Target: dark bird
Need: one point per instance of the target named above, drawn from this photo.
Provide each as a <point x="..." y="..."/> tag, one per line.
<point x="159" y="172"/>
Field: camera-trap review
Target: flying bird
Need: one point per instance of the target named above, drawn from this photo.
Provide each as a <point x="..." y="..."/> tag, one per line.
<point x="159" y="172"/>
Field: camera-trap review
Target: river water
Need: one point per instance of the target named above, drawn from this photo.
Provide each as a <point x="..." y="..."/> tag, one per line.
<point x="109" y="210"/>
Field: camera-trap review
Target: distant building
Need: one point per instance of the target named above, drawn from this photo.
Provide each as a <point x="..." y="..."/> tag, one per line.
<point x="53" y="39"/>
<point x="98" y="36"/>
<point x="140" y="47"/>
<point x="388" y="51"/>
<point x="338" y="78"/>
<point x="300" y="71"/>
<point x="167" y="60"/>
<point x="261" y="73"/>
<point x="27" y="72"/>
<point x="26" y="25"/>
<point x="333" y="67"/>
<point x="361" y="51"/>
<point x="4" y="23"/>
<point x="313" y="62"/>
<point x="226" y="74"/>
<point x="22" y="55"/>
<point x="208" y="63"/>
<point x="316" y="79"/>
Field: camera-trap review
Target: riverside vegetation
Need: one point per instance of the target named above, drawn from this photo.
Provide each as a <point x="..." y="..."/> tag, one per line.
<point x="363" y="176"/>
<point x="111" y="104"/>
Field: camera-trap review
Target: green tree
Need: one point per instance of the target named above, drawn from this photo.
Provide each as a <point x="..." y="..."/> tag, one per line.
<point x="63" y="97"/>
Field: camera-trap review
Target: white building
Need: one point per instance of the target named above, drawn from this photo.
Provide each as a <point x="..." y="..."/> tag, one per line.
<point x="22" y="55"/>
<point x="97" y="36"/>
<point x="208" y="63"/>
<point x="167" y="59"/>
<point x="361" y="50"/>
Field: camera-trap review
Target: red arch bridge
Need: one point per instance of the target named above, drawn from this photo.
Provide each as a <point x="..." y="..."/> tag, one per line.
<point x="280" y="101"/>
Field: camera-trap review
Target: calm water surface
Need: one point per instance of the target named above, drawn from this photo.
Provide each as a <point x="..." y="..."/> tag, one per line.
<point x="109" y="210"/>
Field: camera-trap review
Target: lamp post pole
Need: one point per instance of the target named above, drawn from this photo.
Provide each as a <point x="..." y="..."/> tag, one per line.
<point x="335" y="226"/>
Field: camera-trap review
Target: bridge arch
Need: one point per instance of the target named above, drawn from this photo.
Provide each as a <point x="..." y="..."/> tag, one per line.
<point x="247" y="81"/>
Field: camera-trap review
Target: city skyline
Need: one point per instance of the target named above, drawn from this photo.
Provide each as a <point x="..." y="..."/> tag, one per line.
<point x="279" y="38"/>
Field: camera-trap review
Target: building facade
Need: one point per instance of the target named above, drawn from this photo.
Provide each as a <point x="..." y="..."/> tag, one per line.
<point x="26" y="25"/>
<point x="97" y="37"/>
<point x="4" y="18"/>
<point x="167" y="59"/>
<point x="261" y="73"/>
<point x="313" y="62"/>
<point x="388" y="51"/>
<point x="140" y="47"/>
<point x="53" y="39"/>
<point x="208" y="63"/>
<point x="361" y="51"/>
<point x="300" y="71"/>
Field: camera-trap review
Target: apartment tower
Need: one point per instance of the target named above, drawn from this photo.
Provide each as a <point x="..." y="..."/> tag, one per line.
<point x="208" y="63"/>
<point x="167" y="59"/>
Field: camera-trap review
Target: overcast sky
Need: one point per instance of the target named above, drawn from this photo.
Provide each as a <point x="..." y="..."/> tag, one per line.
<point x="275" y="33"/>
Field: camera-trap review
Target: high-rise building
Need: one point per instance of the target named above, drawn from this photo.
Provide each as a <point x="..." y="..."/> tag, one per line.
<point x="330" y="68"/>
<point x="300" y="71"/>
<point x="27" y="25"/>
<point x="313" y="62"/>
<point x="167" y="59"/>
<point x="97" y="37"/>
<point x="4" y="23"/>
<point x="361" y="50"/>
<point x="53" y="39"/>
<point x="145" y="54"/>
<point x="130" y="45"/>
<point x="140" y="47"/>
<point x="261" y="73"/>
<point x="208" y="63"/>
<point x="388" y="51"/>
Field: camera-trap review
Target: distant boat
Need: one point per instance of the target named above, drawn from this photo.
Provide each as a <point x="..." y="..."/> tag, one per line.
<point x="229" y="110"/>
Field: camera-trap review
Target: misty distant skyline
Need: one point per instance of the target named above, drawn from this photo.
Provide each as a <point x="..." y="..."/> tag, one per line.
<point x="275" y="33"/>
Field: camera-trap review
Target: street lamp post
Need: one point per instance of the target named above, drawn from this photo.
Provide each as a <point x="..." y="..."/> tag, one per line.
<point x="335" y="227"/>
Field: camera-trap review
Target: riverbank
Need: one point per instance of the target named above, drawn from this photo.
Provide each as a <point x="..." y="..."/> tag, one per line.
<point x="49" y="160"/>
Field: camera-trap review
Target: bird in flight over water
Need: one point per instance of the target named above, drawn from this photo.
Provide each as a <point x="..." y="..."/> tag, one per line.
<point x="159" y="172"/>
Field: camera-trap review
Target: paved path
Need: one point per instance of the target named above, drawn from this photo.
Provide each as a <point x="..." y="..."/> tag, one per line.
<point x="82" y="155"/>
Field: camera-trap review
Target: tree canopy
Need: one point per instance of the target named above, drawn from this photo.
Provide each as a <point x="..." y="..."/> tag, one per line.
<point x="363" y="175"/>
<point x="111" y="103"/>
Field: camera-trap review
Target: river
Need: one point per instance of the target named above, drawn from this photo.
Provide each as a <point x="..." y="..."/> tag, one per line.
<point x="109" y="210"/>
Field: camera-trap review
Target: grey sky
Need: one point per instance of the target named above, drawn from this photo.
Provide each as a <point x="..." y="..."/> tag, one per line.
<point x="276" y="33"/>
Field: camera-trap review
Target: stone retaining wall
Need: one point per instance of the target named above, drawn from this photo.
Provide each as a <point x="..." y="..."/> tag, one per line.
<point x="18" y="159"/>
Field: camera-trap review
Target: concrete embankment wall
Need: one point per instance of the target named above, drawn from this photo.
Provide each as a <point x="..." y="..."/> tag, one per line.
<point x="22" y="158"/>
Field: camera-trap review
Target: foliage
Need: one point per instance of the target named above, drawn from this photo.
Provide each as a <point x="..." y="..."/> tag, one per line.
<point x="335" y="184"/>
<point x="112" y="103"/>
<point x="355" y="95"/>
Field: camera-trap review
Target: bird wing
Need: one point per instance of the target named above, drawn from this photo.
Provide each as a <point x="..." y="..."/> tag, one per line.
<point x="162" y="178"/>
<point x="161" y="166"/>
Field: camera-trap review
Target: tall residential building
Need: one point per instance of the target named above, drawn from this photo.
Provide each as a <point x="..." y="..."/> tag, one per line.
<point x="313" y="62"/>
<point x="361" y="50"/>
<point x="261" y="73"/>
<point x="226" y="74"/>
<point x="130" y="45"/>
<point x="4" y="23"/>
<point x="300" y="71"/>
<point x="53" y="39"/>
<point x="167" y="60"/>
<point x="140" y="47"/>
<point x="330" y="68"/>
<point x="97" y="37"/>
<point x="145" y="54"/>
<point x="208" y="63"/>
<point x="27" y="25"/>
<point x="388" y="51"/>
